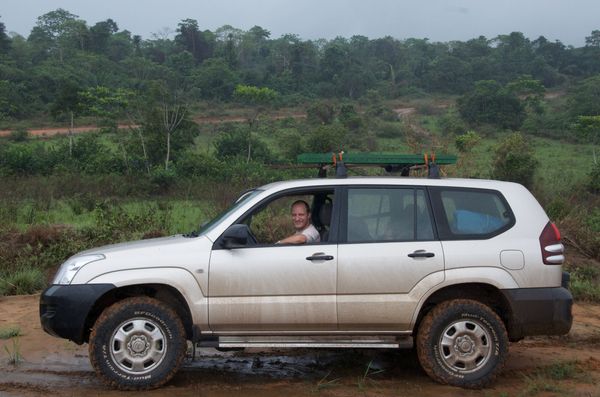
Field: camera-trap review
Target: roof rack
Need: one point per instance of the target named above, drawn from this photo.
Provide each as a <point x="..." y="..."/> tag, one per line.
<point x="391" y="162"/>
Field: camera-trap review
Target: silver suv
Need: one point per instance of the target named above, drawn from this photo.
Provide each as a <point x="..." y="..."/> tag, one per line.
<point x="456" y="268"/>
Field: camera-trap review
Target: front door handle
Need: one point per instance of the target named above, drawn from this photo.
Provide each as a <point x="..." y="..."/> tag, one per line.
<point x="319" y="257"/>
<point x="421" y="254"/>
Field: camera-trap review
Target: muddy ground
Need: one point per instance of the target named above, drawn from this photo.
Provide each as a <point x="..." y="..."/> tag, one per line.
<point x="565" y="366"/>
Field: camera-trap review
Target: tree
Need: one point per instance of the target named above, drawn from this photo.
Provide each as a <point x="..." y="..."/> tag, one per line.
<point x="4" y="40"/>
<point x="57" y="31"/>
<point x="215" y="79"/>
<point x="189" y="37"/>
<point x="593" y="40"/>
<point x="529" y="90"/>
<point x="490" y="103"/>
<point x="514" y="160"/>
<point x="258" y="99"/>
<point x="588" y="129"/>
<point x="100" y="35"/>
<point x="583" y="98"/>
<point x="109" y="105"/>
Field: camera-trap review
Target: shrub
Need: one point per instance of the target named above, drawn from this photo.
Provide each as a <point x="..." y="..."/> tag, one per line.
<point x="321" y="113"/>
<point x="235" y="144"/>
<point x="349" y="118"/>
<point x="162" y="179"/>
<point x="326" y="138"/>
<point x="19" y="135"/>
<point x="466" y="142"/>
<point x="192" y="164"/>
<point x="23" y="281"/>
<point x="514" y="161"/>
<point x="585" y="283"/>
<point x="594" y="178"/>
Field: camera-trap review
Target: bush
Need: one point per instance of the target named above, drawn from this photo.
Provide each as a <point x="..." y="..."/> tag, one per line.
<point x="585" y="283"/>
<point x="349" y="118"/>
<point x="326" y="138"/>
<point x="19" y="135"/>
<point x="162" y="179"/>
<point x="594" y="178"/>
<point x="451" y="123"/>
<point x="192" y="165"/>
<point x="234" y="143"/>
<point x="23" y="281"/>
<point x="466" y="142"/>
<point x="514" y="161"/>
<point x="389" y="129"/>
<point x="321" y="113"/>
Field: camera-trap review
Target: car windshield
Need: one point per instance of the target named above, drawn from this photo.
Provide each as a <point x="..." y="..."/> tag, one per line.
<point x="248" y="195"/>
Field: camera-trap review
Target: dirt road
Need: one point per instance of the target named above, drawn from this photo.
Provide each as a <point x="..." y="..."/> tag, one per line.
<point x="540" y="366"/>
<point x="51" y="131"/>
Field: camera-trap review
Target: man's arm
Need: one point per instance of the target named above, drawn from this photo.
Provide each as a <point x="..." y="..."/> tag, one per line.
<point x="294" y="239"/>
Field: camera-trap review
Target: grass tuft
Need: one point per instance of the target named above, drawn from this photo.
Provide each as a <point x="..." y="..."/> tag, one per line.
<point x="10" y="332"/>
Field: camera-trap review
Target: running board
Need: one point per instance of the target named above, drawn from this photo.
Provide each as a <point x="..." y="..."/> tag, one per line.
<point x="228" y="342"/>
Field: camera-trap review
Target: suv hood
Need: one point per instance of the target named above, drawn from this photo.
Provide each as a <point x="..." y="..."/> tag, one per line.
<point x="153" y="244"/>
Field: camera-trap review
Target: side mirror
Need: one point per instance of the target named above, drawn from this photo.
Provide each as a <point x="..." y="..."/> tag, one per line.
<point x="236" y="236"/>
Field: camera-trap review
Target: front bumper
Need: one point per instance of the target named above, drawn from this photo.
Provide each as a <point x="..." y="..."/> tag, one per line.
<point x="539" y="311"/>
<point x="64" y="309"/>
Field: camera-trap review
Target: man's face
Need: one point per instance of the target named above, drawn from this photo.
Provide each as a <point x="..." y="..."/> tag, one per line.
<point x="299" y="216"/>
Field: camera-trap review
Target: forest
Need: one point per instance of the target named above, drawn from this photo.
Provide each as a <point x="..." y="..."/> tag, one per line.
<point x="185" y="120"/>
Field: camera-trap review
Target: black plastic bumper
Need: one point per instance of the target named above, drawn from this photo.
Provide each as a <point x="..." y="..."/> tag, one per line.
<point x="539" y="311"/>
<point x="64" y="309"/>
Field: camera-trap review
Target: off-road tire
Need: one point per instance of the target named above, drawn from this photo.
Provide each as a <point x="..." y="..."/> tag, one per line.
<point x="462" y="343"/>
<point x="137" y="344"/>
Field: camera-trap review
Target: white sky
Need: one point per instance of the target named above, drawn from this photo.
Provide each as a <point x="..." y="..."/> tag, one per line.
<point x="569" y="21"/>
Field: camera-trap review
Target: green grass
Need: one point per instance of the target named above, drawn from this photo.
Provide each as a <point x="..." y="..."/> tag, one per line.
<point x="181" y="215"/>
<point x="22" y="282"/>
<point x="585" y="283"/>
<point x="10" y="332"/>
<point x="14" y="353"/>
<point x="548" y="378"/>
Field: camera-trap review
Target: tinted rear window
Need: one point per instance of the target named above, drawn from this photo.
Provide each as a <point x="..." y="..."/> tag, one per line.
<point x="471" y="213"/>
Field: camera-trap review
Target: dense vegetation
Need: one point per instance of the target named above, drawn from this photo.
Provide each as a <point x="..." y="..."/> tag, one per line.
<point x="511" y="108"/>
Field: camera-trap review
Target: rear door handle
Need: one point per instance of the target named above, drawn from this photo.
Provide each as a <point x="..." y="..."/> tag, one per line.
<point x="421" y="254"/>
<point x="319" y="257"/>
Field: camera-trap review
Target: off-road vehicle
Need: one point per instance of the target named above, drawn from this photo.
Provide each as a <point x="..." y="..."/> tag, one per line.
<point x="456" y="268"/>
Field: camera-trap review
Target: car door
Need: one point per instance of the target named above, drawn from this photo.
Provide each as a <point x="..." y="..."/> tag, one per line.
<point x="388" y="257"/>
<point x="271" y="287"/>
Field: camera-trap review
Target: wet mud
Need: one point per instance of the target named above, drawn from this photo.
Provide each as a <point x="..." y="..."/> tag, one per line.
<point x="50" y="366"/>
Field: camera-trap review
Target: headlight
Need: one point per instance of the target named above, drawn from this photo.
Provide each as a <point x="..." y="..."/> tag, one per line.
<point x="68" y="269"/>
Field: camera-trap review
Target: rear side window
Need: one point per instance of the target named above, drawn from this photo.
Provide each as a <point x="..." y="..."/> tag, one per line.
<point x="387" y="214"/>
<point x="471" y="213"/>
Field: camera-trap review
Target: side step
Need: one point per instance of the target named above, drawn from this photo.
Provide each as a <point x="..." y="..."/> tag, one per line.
<point x="370" y="342"/>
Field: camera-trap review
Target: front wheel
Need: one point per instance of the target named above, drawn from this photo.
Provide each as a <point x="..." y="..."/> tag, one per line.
<point x="138" y="343"/>
<point x="462" y="343"/>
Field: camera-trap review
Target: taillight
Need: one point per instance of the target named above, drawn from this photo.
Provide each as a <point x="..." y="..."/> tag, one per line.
<point x="552" y="248"/>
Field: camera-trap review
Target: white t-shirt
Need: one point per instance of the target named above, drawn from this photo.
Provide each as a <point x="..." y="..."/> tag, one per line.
<point x="311" y="233"/>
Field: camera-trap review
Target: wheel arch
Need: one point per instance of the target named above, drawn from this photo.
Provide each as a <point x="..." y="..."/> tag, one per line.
<point x="162" y="292"/>
<point x="487" y="294"/>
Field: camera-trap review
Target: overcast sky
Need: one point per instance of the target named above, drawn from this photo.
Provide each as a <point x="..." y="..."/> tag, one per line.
<point x="569" y="21"/>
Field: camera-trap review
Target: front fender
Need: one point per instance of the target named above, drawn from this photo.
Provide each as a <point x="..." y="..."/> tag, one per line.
<point x="178" y="278"/>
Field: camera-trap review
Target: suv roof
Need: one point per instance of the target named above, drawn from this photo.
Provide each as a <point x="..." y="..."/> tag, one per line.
<point x="390" y="180"/>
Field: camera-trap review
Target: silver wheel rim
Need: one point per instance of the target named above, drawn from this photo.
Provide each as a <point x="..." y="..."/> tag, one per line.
<point x="465" y="346"/>
<point x="138" y="346"/>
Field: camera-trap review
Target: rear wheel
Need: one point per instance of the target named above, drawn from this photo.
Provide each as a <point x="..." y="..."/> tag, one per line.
<point x="138" y="343"/>
<point x="462" y="343"/>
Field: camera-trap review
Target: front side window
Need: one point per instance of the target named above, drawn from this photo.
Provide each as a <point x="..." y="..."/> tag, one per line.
<point x="282" y="219"/>
<point x="387" y="214"/>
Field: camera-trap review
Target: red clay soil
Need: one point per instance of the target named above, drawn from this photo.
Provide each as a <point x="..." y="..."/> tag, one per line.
<point x="55" y="367"/>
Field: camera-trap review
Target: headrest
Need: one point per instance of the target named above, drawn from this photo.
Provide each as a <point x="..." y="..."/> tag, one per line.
<point x="325" y="214"/>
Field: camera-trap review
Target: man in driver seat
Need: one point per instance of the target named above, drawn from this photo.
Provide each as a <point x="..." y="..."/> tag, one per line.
<point x="305" y="231"/>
